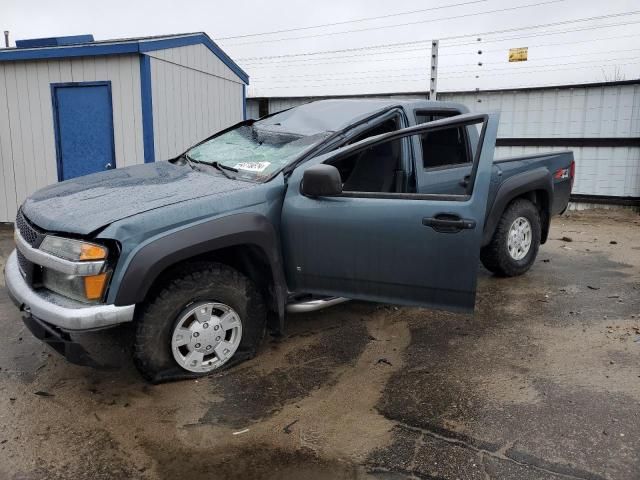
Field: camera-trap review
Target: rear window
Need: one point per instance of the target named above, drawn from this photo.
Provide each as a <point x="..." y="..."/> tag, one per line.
<point x="446" y="147"/>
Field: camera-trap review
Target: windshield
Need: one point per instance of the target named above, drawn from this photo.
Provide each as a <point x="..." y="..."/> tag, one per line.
<point x="255" y="152"/>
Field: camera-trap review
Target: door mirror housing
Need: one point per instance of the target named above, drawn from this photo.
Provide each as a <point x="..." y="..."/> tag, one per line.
<point x="321" y="181"/>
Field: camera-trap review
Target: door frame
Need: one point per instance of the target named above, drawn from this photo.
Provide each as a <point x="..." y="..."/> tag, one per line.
<point x="441" y="124"/>
<point x="56" y="122"/>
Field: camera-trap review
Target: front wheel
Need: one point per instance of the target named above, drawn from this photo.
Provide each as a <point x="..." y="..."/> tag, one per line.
<point x="202" y="317"/>
<point x="516" y="241"/>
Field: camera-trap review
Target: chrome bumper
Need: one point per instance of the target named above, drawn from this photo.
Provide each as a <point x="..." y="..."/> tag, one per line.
<point x="60" y="311"/>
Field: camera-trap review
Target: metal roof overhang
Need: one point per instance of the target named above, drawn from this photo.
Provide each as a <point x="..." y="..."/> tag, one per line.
<point x="119" y="47"/>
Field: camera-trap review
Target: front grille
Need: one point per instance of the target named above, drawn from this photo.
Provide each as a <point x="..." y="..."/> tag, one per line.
<point x="33" y="237"/>
<point x="31" y="234"/>
<point x="26" y="268"/>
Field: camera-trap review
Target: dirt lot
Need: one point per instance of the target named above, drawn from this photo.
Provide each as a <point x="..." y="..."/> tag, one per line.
<point x="543" y="382"/>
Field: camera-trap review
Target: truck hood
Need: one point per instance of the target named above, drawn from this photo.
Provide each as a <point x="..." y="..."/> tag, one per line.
<point x="85" y="204"/>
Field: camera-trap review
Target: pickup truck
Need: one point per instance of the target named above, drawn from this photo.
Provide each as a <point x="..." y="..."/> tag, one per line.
<point x="377" y="200"/>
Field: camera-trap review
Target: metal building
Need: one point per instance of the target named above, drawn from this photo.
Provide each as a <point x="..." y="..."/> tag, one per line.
<point x="71" y="106"/>
<point x="599" y="122"/>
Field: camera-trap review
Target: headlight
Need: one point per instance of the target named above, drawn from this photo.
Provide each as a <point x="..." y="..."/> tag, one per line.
<point x="74" y="250"/>
<point x="83" y="289"/>
<point x="89" y="288"/>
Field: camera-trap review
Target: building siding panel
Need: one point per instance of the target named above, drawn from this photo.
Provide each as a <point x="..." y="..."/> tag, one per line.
<point x="7" y="185"/>
<point x="27" y="142"/>
<point x="604" y="111"/>
<point x="193" y="97"/>
<point x="196" y="57"/>
<point x="608" y="171"/>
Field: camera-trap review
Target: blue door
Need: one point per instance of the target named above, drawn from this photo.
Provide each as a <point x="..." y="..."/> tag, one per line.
<point x="84" y="128"/>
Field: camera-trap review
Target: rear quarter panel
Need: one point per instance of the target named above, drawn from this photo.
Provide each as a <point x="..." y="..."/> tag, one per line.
<point x="552" y="161"/>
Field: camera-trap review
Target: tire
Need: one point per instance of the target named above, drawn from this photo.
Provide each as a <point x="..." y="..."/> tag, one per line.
<point x="212" y="290"/>
<point x="497" y="257"/>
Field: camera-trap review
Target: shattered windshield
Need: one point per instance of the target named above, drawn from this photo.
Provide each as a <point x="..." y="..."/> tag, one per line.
<point x="255" y="152"/>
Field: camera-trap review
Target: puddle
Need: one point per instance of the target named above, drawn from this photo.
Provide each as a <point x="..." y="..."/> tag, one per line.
<point x="249" y="394"/>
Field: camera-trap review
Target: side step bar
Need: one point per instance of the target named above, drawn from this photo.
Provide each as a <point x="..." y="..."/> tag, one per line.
<point x="313" y="305"/>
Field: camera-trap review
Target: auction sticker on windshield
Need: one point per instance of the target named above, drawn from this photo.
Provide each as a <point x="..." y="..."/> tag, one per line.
<point x="252" y="166"/>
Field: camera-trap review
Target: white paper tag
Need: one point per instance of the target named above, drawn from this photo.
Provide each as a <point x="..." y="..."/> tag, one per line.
<point x="252" y="166"/>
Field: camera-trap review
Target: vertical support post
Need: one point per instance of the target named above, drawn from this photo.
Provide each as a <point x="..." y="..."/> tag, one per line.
<point x="6" y="38"/>
<point x="433" y="85"/>
<point x="147" y="109"/>
<point x="244" y="102"/>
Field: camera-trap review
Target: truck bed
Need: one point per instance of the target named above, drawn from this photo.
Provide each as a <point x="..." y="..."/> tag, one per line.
<point x="553" y="162"/>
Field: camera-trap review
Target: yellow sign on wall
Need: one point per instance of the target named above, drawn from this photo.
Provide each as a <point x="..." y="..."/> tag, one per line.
<point x="518" y="54"/>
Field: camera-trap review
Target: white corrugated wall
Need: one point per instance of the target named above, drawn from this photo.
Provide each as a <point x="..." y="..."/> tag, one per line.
<point x="253" y="109"/>
<point x="577" y="112"/>
<point x="194" y="95"/>
<point x="607" y="171"/>
<point x="611" y="111"/>
<point x="281" y="103"/>
<point x="27" y="142"/>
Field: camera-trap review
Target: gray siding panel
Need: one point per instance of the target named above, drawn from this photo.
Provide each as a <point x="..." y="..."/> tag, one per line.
<point x="605" y="111"/>
<point x="194" y="96"/>
<point x="609" y="171"/>
<point x="8" y="200"/>
<point x="252" y="108"/>
<point x="27" y="139"/>
<point x="197" y="57"/>
<point x="573" y="112"/>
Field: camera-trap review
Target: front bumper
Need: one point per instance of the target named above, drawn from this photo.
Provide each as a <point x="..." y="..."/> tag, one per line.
<point x="57" y="310"/>
<point x="61" y="342"/>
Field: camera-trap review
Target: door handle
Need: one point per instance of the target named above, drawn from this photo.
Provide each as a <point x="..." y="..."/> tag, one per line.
<point x="448" y="223"/>
<point x="465" y="181"/>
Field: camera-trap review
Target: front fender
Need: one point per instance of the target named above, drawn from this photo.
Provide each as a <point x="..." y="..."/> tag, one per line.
<point x="238" y="229"/>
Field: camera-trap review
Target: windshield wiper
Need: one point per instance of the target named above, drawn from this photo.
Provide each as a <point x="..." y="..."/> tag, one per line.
<point x="218" y="166"/>
<point x="221" y="168"/>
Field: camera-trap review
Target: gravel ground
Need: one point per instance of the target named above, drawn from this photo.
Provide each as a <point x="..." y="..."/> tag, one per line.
<point x="542" y="382"/>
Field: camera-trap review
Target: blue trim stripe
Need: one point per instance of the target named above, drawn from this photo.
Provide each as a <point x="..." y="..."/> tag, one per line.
<point x="139" y="45"/>
<point x="147" y="109"/>
<point x="70" y="51"/>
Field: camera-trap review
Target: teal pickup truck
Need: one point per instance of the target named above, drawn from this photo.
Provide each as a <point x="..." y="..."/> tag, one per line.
<point x="377" y="200"/>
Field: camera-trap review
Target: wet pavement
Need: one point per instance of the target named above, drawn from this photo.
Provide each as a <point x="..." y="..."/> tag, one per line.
<point x="542" y="382"/>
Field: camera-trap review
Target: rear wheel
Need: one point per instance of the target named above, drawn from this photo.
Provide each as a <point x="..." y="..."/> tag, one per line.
<point x="203" y="317"/>
<point x="516" y="241"/>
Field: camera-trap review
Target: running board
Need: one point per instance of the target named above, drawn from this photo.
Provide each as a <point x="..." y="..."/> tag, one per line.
<point x="313" y="305"/>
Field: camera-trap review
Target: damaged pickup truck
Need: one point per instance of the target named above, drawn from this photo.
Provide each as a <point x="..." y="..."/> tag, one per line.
<point x="377" y="200"/>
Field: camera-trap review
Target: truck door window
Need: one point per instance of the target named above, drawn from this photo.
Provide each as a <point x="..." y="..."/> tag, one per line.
<point x="366" y="170"/>
<point x="446" y="147"/>
<point x="425" y="117"/>
<point x="376" y="169"/>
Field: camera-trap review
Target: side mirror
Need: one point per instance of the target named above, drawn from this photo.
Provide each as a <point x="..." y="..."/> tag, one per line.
<point x="321" y="181"/>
